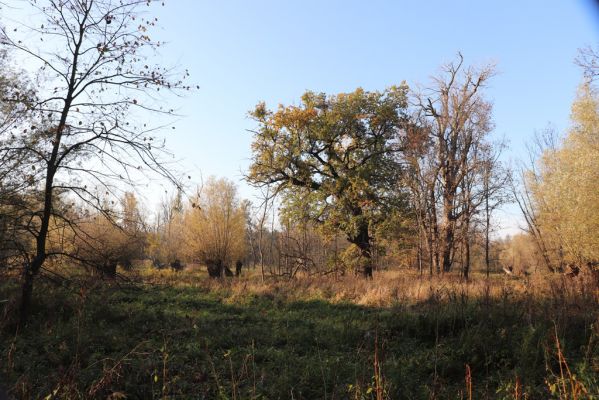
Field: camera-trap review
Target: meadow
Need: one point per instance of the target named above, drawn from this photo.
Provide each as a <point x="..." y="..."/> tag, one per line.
<point x="160" y="334"/>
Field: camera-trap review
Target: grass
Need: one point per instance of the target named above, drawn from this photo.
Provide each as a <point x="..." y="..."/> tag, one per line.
<point x="400" y="336"/>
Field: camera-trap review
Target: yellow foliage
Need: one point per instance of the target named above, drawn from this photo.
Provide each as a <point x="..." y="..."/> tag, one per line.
<point x="569" y="186"/>
<point x="215" y="227"/>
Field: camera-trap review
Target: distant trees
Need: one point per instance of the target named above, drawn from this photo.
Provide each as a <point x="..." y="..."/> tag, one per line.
<point x="102" y="242"/>
<point x="339" y="155"/>
<point x="166" y="238"/>
<point x="96" y="76"/>
<point x="518" y="254"/>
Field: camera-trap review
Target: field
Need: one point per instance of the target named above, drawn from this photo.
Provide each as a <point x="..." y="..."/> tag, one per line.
<point x="169" y="335"/>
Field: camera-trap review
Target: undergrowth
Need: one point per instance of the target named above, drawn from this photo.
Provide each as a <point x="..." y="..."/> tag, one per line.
<point x="169" y="335"/>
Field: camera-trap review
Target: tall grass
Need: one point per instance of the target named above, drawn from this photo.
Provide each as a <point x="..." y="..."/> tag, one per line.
<point x="165" y="334"/>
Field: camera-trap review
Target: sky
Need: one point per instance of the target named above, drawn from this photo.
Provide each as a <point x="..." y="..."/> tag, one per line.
<point x="242" y="52"/>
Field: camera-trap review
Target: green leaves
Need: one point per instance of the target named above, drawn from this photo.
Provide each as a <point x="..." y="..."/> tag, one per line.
<point x="334" y="158"/>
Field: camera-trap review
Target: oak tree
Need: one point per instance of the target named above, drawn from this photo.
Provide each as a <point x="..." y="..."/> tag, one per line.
<point x="339" y="155"/>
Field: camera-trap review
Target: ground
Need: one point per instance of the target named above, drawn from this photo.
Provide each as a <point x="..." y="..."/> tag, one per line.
<point x="181" y="335"/>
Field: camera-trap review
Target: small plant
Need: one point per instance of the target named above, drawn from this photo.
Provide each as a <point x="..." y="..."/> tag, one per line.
<point x="564" y="384"/>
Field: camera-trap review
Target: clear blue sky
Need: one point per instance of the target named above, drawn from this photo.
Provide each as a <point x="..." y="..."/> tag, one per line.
<point x="242" y="52"/>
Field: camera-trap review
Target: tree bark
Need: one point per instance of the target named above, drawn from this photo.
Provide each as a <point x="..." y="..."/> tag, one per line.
<point x="467" y="255"/>
<point x="487" y="221"/>
<point x="448" y="243"/>
<point x="26" y="293"/>
<point x="362" y="240"/>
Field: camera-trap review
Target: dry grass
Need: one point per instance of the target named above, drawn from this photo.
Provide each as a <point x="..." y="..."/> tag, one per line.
<point x="390" y="288"/>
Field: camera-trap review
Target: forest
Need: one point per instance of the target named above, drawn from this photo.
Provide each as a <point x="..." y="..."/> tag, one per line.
<point x="369" y="264"/>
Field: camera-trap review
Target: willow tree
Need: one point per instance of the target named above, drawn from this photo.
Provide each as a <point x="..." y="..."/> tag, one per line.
<point x="339" y="155"/>
<point x="215" y="227"/>
<point x="566" y="195"/>
<point x="95" y="80"/>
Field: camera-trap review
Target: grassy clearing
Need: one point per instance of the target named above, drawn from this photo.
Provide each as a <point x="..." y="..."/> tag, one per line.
<point x="180" y="335"/>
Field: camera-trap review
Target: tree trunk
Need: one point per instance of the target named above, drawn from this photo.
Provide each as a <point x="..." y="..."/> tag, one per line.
<point x="33" y="268"/>
<point x="487" y="223"/>
<point x="109" y="269"/>
<point x="466" y="229"/>
<point x="467" y="256"/>
<point x="362" y="240"/>
<point x="448" y="242"/>
<point x="419" y="254"/>
<point x="26" y="293"/>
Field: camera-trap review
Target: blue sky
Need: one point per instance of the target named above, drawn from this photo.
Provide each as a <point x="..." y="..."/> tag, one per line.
<point x="243" y="52"/>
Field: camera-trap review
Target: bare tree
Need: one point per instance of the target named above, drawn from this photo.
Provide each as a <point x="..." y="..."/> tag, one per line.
<point x="588" y="60"/>
<point x="421" y="179"/>
<point x="267" y="197"/>
<point x="95" y="77"/>
<point x="457" y="119"/>
<point x="484" y="189"/>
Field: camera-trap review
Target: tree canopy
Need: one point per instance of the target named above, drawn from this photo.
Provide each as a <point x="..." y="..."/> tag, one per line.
<point x="338" y="154"/>
<point x="566" y="192"/>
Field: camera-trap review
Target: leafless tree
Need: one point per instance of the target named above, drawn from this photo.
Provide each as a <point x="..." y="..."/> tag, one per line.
<point x="267" y="198"/>
<point x="457" y="120"/>
<point x="588" y="60"/>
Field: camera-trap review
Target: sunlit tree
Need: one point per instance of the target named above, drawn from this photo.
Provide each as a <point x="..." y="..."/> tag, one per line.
<point x="336" y="154"/>
<point x="215" y="227"/>
<point x="567" y="194"/>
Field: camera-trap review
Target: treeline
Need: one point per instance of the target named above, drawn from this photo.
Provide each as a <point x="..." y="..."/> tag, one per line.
<point x="399" y="170"/>
<point x="350" y="182"/>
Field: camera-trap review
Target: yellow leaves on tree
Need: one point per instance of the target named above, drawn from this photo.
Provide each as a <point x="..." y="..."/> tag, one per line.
<point x="568" y="193"/>
<point x="215" y="228"/>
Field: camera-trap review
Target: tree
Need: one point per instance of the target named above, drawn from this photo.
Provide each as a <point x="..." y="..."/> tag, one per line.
<point x="261" y="214"/>
<point x="566" y="189"/>
<point x="339" y="154"/>
<point x="164" y="242"/>
<point x="101" y="242"/>
<point x="17" y="172"/>
<point x="532" y="202"/>
<point x="457" y="121"/>
<point x="215" y="227"/>
<point x="95" y="77"/>
<point x="588" y="60"/>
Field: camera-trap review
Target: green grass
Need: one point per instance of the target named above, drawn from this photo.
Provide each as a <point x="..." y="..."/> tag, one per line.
<point x="151" y="342"/>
